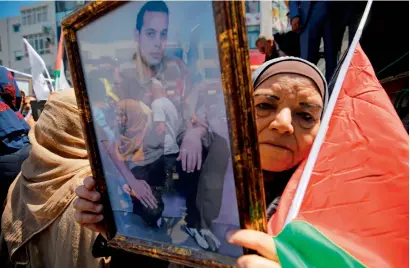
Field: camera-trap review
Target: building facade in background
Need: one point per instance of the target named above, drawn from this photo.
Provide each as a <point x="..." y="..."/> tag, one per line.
<point x="62" y="9"/>
<point x="265" y="18"/>
<point x="40" y="24"/>
<point x="36" y="23"/>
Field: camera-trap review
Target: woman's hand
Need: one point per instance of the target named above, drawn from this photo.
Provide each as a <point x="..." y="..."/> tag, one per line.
<point x="30" y="121"/>
<point x="259" y="241"/>
<point x="141" y="190"/>
<point x="88" y="210"/>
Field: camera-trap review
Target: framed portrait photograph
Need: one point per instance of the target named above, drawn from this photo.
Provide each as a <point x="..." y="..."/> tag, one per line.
<point x="165" y="96"/>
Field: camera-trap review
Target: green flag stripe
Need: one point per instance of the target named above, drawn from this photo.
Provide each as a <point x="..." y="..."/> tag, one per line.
<point x="301" y="245"/>
<point x="56" y="77"/>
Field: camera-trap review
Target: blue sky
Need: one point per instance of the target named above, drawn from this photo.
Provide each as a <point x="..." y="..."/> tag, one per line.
<point x="12" y="8"/>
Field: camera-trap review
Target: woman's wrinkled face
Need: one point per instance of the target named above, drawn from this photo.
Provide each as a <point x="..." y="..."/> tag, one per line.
<point x="288" y="108"/>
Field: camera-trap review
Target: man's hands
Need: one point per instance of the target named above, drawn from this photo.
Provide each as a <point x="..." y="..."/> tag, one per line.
<point x="190" y="153"/>
<point x="141" y="190"/>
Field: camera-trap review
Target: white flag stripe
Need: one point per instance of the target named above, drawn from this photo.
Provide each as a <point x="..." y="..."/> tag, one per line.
<point x="40" y="85"/>
<point x="61" y="82"/>
<point x="320" y="137"/>
<point x="24" y="74"/>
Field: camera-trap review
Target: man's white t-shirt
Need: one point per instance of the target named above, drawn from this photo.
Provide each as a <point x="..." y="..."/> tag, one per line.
<point x="163" y="110"/>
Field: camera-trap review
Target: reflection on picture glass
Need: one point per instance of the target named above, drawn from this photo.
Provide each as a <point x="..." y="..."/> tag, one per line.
<point x="153" y="80"/>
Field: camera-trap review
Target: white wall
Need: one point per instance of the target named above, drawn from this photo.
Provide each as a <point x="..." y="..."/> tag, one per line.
<point x="50" y="58"/>
<point x="4" y="55"/>
<point x="266" y="18"/>
<point x="13" y="41"/>
<point x="16" y="44"/>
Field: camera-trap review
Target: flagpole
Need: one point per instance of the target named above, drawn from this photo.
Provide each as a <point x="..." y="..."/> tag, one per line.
<point x="60" y="79"/>
<point x="320" y="137"/>
<point x="58" y="61"/>
<point x="24" y="74"/>
<point x="60" y="52"/>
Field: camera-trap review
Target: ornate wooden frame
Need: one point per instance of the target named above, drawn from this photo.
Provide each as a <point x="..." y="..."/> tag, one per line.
<point x="229" y="17"/>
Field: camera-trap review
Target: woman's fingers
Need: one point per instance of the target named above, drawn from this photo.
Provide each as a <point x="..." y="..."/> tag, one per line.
<point x="259" y="241"/>
<point x="87" y="194"/>
<point x="87" y="218"/>
<point x="87" y="206"/>
<point x="255" y="261"/>
<point x="98" y="228"/>
<point x="89" y="183"/>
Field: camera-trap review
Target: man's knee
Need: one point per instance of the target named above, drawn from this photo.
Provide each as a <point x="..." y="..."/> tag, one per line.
<point x="150" y="215"/>
<point x="215" y="165"/>
<point x="220" y="144"/>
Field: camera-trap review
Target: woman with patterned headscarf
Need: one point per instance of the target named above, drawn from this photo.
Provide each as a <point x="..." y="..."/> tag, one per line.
<point x="14" y="142"/>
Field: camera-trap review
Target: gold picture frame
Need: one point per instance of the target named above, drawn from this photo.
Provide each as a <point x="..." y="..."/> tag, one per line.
<point x="235" y="83"/>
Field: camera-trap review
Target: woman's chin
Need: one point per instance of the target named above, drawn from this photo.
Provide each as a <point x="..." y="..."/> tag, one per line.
<point x="274" y="158"/>
<point x="276" y="169"/>
<point x="275" y="166"/>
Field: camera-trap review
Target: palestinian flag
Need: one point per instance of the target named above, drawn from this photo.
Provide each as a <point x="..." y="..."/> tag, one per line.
<point x="347" y="205"/>
<point x="59" y="74"/>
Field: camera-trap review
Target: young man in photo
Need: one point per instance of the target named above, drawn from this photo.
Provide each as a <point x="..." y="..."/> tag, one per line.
<point x="192" y="136"/>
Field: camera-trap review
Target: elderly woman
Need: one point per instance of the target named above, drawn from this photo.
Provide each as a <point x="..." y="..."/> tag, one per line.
<point x="290" y="96"/>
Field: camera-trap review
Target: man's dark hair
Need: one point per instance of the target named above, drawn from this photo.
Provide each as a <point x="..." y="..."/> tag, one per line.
<point x="153" y="6"/>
